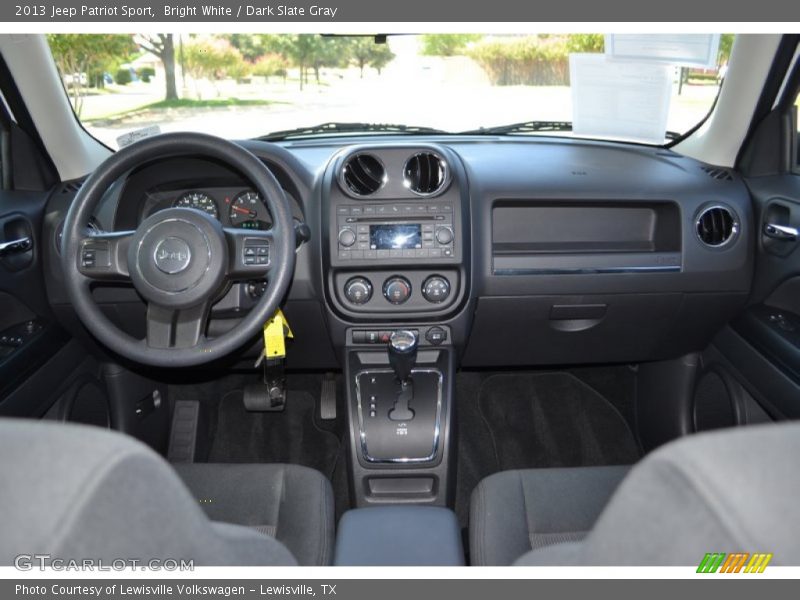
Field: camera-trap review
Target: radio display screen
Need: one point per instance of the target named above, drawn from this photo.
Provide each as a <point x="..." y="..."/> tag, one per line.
<point x="395" y="237"/>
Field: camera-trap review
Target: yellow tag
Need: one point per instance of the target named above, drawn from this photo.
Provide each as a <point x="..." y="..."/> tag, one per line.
<point x="275" y="330"/>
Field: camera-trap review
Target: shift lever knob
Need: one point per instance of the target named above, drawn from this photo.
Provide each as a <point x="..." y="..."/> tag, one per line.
<point x="403" y="353"/>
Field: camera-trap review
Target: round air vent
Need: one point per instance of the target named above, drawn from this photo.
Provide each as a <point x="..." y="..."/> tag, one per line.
<point x="716" y="226"/>
<point x="363" y="174"/>
<point x="425" y="173"/>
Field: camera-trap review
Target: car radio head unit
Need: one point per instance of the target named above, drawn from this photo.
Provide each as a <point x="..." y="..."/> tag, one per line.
<point x="408" y="231"/>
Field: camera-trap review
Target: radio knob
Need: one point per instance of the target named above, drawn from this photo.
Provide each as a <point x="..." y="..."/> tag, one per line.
<point x="397" y="289"/>
<point x="436" y="289"/>
<point x="444" y="235"/>
<point x="347" y="237"/>
<point x="358" y="290"/>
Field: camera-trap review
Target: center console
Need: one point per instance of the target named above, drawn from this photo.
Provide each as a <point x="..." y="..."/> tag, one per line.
<point x="397" y="251"/>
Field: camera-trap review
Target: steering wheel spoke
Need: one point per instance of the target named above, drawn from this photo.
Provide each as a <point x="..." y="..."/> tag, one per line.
<point x="103" y="256"/>
<point x="251" y="253"/>
<point x="176" y="328"/>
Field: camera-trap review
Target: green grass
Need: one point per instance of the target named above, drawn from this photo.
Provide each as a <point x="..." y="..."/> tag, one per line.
<point x="214" y="103"/>
<point x="179" y="104"/>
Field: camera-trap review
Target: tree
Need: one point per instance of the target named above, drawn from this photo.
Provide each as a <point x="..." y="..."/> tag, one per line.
<point x="725" y="47"/>
<point x="301" y="49"/>
<point x="79" y="55"/>
<point x="330" y="52"/>
<point x="365" y="52"/>
<point x="270" y="64"/>
<point x="448" y="44"/>
<point x="162" y="45"/>
<point x="586" y="42"/>
<point x="211" y="58"/>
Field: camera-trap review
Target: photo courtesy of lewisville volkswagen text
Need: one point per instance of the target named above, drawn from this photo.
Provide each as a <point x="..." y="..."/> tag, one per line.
<point x="299" y="302"/>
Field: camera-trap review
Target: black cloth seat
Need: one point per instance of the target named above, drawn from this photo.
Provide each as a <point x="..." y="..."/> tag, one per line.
<point x="291" y="503"/>
<point x="513" y="512"/>
<point x="75" y="491"/>
<point x="727" y="491"/>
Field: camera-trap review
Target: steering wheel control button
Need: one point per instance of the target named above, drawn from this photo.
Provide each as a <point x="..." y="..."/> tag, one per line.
<point x="358" y="290"/>
<point x="436" y="289"/>
<point x="436" y="336"/>
<point x="255" y="252"/>
<point x="95" y="255"/>
<point x="172" y="255"/>
<point x="397" y="290"/>
<point x="347" y="238"/>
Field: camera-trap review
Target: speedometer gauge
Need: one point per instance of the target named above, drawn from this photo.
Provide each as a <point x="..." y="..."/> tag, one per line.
<point x="198" y="201"/>
<point x="249" y="212"/>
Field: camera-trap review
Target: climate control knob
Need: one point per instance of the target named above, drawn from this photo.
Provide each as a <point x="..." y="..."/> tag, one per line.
<point x="397" y="289"/>
<point x="436" y="289"/>
<point x="358" y="290"/>
<point x="444" y="235"/>
<point x="347" y="237"/>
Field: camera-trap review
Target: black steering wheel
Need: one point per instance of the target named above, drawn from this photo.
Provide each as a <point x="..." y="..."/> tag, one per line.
<point x="178" y="259"/>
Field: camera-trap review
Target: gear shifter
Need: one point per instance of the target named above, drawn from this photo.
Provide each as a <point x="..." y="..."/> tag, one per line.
<point x="402" y="356"/>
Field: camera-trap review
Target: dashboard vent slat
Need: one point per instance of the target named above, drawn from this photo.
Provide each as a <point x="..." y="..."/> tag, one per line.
<point x="718" y="173"/>
<point x="71" y="187"/>
<point x="716" y="226"/>
<point x="363" y="174"/>
<point x="425" y="173"/>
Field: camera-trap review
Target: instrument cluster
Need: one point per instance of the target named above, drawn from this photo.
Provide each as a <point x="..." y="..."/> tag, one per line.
<point x="233" y="207"/>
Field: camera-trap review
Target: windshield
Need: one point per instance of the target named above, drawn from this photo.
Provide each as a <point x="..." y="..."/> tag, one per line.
<point x="248" y="85"/>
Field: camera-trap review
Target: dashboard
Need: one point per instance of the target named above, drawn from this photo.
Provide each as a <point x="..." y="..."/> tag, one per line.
<point x="514" y="250"/>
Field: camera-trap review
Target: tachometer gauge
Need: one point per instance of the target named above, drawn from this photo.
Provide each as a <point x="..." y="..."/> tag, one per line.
<point x="248" y="211"/>
<point x="198" y="201"/>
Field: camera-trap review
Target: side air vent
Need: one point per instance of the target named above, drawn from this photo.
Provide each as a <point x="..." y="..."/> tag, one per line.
<point x="363" y="174"/>
<point x="718" y="173"/>
<point x="425" y="173"/>
<point x="716" y="226"/>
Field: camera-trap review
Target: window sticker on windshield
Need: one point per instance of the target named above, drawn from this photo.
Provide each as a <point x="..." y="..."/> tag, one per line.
<point x="689" y="50"/>
<point x="619" y="99"/>
<point x="126" y="139"/>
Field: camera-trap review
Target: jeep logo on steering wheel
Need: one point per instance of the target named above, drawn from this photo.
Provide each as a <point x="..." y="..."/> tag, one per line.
<point x="172" y="255"/>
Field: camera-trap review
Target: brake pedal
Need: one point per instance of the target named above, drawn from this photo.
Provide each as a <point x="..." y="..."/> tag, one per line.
<point x="183" y="433"/>
<point x="327" y="402"/>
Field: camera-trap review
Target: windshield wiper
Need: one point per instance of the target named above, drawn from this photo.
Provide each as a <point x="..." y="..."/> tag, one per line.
<point x="335" y="127"/>
<point x="537" y="127"/>
<point x="524" y="127"/>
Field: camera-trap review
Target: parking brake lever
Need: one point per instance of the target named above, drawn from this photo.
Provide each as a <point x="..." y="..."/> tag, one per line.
<point x="402" y="356"/>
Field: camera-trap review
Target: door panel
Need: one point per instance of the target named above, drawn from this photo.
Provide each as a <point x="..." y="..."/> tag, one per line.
<point x="29" y="337"/>
<point x="763" y="344"/>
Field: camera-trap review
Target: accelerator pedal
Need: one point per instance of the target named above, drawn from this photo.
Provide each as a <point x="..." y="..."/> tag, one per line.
<point x="327" y="402"/>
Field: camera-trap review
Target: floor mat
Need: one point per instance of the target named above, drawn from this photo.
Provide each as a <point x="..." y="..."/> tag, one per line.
<point x="552" y="420"/>
<point x="291" y="436"/>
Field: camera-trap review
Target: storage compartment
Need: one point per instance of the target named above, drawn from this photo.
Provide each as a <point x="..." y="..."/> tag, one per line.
<point x="399" y="536"/>
<point x="564" y="236"/>
<point x="614" y="328"/>
<point x="547" y="330"/>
